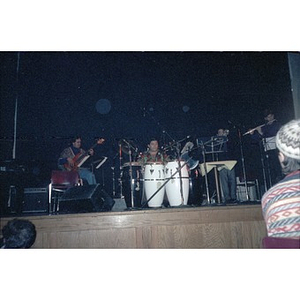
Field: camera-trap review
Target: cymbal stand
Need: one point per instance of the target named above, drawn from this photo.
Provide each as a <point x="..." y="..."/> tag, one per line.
<point x="113" y="181"/>
<point x="120" y="181"/>
<point x="130" y="173"/>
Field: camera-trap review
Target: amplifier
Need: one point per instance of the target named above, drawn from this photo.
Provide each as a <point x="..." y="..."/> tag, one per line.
<point x="35" y="200"/>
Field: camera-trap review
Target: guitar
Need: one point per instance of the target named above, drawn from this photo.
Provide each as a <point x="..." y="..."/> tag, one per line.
<point x="79" y="159"/>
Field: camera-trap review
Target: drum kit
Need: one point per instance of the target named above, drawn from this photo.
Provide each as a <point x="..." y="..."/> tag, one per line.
<point x="153" y="184"/>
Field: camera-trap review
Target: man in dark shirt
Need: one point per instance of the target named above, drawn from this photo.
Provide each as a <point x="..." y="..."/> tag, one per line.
<point x="227" y="176"/>
<point x="266" y="135"/>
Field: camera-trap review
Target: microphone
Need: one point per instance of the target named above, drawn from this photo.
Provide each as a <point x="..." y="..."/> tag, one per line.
<point x="187" y="137"/>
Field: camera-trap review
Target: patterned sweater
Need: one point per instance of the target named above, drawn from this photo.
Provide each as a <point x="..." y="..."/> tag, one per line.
<point x="281" y="207"/>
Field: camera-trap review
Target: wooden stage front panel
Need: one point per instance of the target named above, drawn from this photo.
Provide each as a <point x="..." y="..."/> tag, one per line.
<point x="235" y="227"/>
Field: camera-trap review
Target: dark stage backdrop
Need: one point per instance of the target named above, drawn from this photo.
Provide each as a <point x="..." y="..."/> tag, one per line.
<point x="134" y="95"/>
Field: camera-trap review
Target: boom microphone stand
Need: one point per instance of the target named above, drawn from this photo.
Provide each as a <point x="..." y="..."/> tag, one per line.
<point x="179" y="171"/>
<point x="205" y="171"/>
<point x="243" y="163"/>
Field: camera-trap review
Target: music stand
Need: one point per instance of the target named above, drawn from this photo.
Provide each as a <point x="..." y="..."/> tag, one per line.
<point x="213" y="145"/>
<point x="217" y="166"/>
<point x="101" y="162"/>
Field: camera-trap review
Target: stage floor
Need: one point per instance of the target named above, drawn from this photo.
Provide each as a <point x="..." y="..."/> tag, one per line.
<point x="231" y="226"/>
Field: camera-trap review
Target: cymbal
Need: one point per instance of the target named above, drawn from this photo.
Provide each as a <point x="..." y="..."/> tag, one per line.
<point x="127" y="145"/>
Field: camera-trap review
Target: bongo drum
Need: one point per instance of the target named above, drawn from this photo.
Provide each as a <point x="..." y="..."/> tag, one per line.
<point x="173" y="187"/>
<point x="154" y="177"/>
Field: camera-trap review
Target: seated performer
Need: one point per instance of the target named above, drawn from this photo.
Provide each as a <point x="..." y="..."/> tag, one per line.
<point x="71" y="157"/>
<point x="281" y="203"/>
<point x="153" y="154"/>
<point x="227" y="177"/>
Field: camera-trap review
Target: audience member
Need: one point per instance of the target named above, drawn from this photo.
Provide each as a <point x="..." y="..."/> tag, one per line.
<point x="18" y="234"/>
<point x="281" y="203"/>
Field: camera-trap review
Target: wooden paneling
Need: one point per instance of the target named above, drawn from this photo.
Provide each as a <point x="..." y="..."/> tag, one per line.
<point x="202" y="227"/>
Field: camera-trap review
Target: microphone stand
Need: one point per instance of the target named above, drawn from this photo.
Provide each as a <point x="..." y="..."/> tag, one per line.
<point x="263" y="166"/>
<point x="179" y="169"/>
<point x="243" y="163"/>
<point x="267" y="164"/>
<point x="158" y="124"/>
<point x="205" y="172"/>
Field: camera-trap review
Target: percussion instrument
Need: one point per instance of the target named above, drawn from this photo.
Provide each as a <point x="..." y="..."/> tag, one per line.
<point x="192" y="164"/>
<point x="177" y="188"/>
<point x="132" y="186"/>
<point x="154" y="177"/>
<point x="196" y="182"/>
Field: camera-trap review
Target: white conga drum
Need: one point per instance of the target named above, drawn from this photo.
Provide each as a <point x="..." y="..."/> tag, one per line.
<point x="177" y="183"/>
<point x="154" y="177"/>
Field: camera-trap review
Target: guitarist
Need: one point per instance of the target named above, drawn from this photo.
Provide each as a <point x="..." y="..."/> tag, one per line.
<point x="71" y="157"/>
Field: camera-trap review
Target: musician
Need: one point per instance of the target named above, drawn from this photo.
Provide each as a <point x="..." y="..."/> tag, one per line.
<point x="266" y="134"/>
<point x="66" y="160"/>
<point x="153" y="154"/>
<point x="227" y="177"/>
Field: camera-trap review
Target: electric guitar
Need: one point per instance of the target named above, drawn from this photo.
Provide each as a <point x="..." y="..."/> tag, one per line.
<point x="79" y="159"/>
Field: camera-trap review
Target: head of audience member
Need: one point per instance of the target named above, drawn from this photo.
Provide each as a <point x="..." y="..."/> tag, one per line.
<point x="288" y="144"/>
<point x="18" y="234"/>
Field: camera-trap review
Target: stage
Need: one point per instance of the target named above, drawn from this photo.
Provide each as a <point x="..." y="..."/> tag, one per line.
<point x="232" y="227"/>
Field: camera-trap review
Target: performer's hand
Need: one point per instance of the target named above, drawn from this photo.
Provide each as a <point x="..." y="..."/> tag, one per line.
<point x="70" y="161"/>
<point x="91" y="152"/>
<point x="251" y="131"/>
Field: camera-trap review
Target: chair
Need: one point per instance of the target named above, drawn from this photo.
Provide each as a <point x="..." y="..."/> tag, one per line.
<point x="60" y="182"/>
<point x="280" y="243"/>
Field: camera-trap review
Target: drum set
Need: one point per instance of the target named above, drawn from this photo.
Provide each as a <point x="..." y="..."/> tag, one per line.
<point x="156" y="184"/>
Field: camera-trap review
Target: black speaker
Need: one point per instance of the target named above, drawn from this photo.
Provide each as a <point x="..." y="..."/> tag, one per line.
<point x="86" y="198"/>
<point x="35" y="200"/>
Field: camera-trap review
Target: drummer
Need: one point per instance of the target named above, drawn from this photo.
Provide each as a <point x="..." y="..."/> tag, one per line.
<point x="153" y="154"/>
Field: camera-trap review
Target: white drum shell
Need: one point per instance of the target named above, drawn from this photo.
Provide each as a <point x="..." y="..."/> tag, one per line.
<point x="173" y="190"/>
<point x="154" y="177"/>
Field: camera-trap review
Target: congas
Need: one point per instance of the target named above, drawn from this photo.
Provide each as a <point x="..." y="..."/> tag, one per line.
<point x="154" y="177"/>
<point x="177" y="188"/>
<point x="132" y="186"/>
